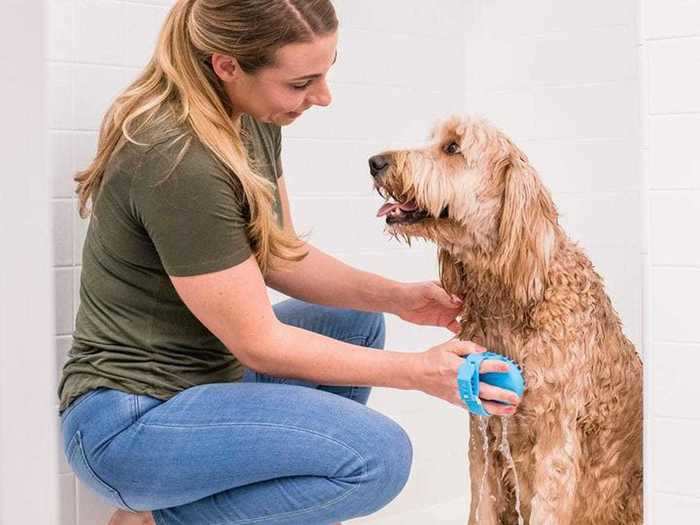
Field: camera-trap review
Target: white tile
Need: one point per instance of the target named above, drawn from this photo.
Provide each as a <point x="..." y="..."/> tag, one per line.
<point x="621" y="270"/>
<point x="669" y="508"/>
<point x="674" y="76"/>
<point x="143" y="22"/>
<point x="667" y="19"/>
<point x="673" y="159"/>
<point x="323" y="167"/>
<point x="495" y="61"/>
<point x="676" y="461"/>
<point x="511" y="111"/>
<point x="63" y="286"/>
<point x="61" y="165"/>
<point x="99" y="31"/>
<point x="675" y="387"/>
<point x="401" y="16"/>
<point x="673" y="214"/>
<point x="62" y="232"/>
<point x="674" y="306"/>
<point x="60" y="96"/>
<point x="391" y="59"/>
<point x="342" y="223"/>
<point x="60" y="30"/>
<point x="540" y="16"/>
<point x="95" y="89"/>
<point x="84" y="148"/>
<point x="609" y="219"/>
<point x="66" y="487"/>
<point x="580" y="167"/>
<point x="576" y="57"/>
<point x="595" y="111"/>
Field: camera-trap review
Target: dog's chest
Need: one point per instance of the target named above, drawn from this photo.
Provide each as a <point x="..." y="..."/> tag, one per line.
<point x="495" y="331"/>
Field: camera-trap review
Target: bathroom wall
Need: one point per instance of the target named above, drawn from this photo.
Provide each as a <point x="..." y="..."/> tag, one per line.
<point x="28" y="474"/>
<point x="670" y="53"/>
<point x="400" y="67"/>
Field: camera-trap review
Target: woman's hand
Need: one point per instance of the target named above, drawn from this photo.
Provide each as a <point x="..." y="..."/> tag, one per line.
<point x="437" y="375"/>
<point x="427" y="303"/>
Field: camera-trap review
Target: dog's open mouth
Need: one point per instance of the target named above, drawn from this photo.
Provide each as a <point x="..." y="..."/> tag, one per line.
<point x="402" y="212"/>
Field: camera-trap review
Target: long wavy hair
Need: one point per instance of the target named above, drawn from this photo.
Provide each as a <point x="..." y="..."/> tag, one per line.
<point x="179" y="90"/>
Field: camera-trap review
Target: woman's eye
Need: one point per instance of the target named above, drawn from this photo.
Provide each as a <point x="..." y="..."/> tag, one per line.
<point x="301" y="86"/>
<point x="452" y="148"/>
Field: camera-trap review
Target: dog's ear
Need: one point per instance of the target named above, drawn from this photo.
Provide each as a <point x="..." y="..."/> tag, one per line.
<point x="527" y="230"/>
<point x="450" y="277"/>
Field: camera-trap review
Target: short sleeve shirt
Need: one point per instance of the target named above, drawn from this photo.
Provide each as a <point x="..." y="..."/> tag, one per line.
<point x="157" y="216"/>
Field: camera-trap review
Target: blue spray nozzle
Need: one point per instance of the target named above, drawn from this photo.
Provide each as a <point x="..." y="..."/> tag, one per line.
<point x="468" y="378"/>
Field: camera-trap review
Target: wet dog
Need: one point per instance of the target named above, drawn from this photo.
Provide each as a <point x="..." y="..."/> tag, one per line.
<point x="533" y="295"/>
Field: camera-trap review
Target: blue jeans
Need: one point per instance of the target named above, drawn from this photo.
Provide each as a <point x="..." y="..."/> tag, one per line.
<point x="266" y="450"/>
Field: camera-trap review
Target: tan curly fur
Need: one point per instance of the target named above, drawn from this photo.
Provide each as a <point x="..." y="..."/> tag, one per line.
<point x="532" y="294"/>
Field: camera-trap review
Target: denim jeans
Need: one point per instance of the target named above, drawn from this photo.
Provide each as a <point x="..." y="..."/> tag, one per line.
<point x="265" y="450"/>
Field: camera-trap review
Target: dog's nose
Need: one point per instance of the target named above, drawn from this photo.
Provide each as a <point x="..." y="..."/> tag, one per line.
<point x="377" y="164"/>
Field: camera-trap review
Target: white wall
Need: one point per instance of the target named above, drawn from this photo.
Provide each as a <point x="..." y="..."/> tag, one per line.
<point x="28" y="483"/>
<point x="398" y="71"/>
<point x="671" y="110"/>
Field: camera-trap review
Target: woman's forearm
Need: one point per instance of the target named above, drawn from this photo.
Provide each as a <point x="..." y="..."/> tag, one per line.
<point x="296" y="353"/>
<point x="322" y="279"/>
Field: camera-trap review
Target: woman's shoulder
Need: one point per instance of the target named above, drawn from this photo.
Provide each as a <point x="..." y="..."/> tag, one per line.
<point x="157" y="155"/>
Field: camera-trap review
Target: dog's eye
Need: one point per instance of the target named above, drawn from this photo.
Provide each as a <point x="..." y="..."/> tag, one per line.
<point x="452" y="148"/>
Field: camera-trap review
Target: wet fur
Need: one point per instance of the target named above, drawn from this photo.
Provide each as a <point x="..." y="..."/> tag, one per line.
<point x="532" y="294"/>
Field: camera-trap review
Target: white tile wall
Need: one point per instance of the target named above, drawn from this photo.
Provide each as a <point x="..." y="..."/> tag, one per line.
<point x="670" y="53"/>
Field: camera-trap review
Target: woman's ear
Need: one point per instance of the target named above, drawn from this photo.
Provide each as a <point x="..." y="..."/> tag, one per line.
<point x="526" y="232"/>
<point x="226" y="67"/>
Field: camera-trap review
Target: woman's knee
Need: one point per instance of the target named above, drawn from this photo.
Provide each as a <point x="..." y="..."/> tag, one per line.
<point x="387" y="467"/>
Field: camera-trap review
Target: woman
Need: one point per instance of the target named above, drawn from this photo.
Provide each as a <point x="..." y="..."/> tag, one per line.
<point x="187" y="398"/>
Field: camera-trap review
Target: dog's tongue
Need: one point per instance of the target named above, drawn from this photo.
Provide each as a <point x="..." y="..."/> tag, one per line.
<point x="387" y="207"/>
<point x="391" y="206"/>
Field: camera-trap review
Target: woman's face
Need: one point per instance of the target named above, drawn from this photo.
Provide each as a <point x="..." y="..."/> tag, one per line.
<point x="280" y="93"/>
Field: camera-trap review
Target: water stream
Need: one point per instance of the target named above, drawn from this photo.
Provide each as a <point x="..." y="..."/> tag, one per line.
<point x="504" y="447"/>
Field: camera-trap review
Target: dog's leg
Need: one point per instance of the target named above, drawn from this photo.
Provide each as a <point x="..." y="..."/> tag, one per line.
<point x="556" y="473"/>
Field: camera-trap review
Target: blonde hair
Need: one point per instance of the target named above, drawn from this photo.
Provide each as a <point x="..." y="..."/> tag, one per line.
<point x="179" y="90"/>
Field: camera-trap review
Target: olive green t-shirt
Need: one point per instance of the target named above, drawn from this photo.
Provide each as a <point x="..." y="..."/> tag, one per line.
<point x="133" y="332"/>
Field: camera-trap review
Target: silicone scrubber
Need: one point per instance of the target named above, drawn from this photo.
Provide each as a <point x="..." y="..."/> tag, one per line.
<point x="468" y="378"/>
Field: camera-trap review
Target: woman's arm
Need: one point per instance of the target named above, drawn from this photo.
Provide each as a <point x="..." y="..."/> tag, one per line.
<point x="322" y="279"/>
<point x="233" y="304"/>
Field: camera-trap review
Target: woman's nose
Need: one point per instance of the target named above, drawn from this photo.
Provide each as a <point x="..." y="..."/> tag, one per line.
<point x="321" y="96"/>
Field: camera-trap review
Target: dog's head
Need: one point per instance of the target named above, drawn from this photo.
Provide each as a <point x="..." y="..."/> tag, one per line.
<point x="473" y="192"/>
